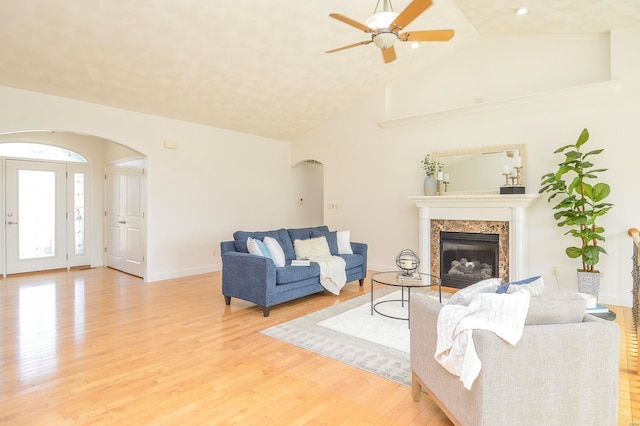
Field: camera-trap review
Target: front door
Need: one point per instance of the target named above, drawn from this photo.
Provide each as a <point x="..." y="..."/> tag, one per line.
<point x="35" y="216"/>
<point x="125" y="217"/>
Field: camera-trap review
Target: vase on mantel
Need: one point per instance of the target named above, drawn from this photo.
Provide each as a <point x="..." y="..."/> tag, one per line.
<point x="430" y="185"/>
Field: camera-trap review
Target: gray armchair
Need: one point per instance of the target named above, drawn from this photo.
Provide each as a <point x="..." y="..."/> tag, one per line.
<point x="561" y="372"/>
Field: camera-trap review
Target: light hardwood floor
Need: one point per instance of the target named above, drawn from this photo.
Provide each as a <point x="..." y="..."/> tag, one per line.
<point x="101" y="347"/>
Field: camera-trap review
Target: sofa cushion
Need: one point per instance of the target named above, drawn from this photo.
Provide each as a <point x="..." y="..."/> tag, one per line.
<point x="275" y="251"/>
<point x="240" y="240"/>
<point x="305" y="233"/>
<point x="464" y="296"/>
<point x="352" y="260"/>
<point x="291" y="274"/>
<point x="332" y="239"/>
<point x="311" y="247"/>
<point x="556" y="307"/>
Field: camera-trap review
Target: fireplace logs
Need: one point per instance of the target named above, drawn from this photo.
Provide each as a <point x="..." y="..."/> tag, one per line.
<point x="466" y="258"/>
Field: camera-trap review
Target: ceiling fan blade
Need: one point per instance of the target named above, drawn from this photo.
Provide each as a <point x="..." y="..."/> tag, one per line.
<point x="362" y="43"/>
<point x="433" y="35"/>
<point x="388" y="54"/>
<point x="351" y="22"/>
<point x="409" y="14"/>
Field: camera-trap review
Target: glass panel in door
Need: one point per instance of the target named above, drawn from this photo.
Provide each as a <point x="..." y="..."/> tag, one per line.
<point x="35" y="216"/>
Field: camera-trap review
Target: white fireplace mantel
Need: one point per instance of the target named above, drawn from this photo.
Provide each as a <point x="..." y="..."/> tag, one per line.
<point x="493" y="207"/>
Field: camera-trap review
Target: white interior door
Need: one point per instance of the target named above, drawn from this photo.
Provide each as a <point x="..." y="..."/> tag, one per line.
<point x="125" y="217"/>
<point x="35" y="216"/>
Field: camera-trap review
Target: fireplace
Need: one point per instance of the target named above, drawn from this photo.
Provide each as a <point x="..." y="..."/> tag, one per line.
<point x="504" y="215"/>
<point x="468" y="257"/>
<point x="468" y="230"/>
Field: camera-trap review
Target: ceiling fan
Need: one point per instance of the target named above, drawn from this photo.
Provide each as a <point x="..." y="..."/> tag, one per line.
<point x="385" y="27"/>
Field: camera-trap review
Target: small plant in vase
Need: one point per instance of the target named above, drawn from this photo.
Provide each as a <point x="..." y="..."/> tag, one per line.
<point x="431" y="167"/>
<point x="579" y="207"/>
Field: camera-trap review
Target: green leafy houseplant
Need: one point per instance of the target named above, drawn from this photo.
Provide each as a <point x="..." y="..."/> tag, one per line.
<point x="581" y="200"/>
<point x="430" y="166"/>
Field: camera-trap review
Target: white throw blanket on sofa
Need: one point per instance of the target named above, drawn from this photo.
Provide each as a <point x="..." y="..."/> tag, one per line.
<point x="503" y="314"/>
<point x="333" y="275"/>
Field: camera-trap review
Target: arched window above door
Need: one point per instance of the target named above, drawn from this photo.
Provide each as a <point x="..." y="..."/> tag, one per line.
<point x="40" y="152"/>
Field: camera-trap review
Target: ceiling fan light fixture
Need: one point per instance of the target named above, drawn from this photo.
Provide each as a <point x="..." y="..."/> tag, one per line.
<point x="522" y="11"/>
<point x="385" y="40"/>
<point x="384" y="28"/>
<point x="381" y="20"/>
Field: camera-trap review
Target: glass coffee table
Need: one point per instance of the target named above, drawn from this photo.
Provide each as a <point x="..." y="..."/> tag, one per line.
<point x="397" y="279"/>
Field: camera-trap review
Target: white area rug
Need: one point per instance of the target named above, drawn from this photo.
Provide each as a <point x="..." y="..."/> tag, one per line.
<point x="376" y="355"/>
<point x="378" y="329"/>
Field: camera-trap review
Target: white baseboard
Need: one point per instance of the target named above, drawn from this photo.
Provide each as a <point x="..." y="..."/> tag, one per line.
<point x="181" y="273"/>
<point x="615" y="299"/>
<point x="381" y="268"/>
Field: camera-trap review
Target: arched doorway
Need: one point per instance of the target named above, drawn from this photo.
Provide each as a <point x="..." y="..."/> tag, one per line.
<point x="309" y="185"/>
<point x="83" y="224"/>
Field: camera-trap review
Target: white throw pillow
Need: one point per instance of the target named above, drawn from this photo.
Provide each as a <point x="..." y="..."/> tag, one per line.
<point x="344" y="242"/>
<point x="257" y="247"/>
<point x="464" y="296"/>
<point x="277" y="255"/>
<point x="313" y="247"/>
<point x="253" y="248"/>
<point x="535" y="287"/>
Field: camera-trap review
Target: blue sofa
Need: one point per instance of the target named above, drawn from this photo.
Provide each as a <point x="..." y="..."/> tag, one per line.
<point x="257" y="280"/>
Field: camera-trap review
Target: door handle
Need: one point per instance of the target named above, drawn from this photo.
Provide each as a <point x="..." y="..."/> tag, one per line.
<point x="122" y="222"/>
<point x="12" y="223"/>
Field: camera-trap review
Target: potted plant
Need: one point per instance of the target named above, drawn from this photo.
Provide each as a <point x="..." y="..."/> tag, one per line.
<point x="431" y="167"/>
<point x="580" y="205"/>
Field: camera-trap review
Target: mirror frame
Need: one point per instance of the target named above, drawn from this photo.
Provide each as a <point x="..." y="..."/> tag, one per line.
<point x="522" y="149"/>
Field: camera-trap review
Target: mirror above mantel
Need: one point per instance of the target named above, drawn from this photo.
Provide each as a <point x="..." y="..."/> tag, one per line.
<point x="481" y="170"/>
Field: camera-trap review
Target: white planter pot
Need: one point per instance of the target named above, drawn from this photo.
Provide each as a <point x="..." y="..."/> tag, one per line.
<point x="589" y="282"/>
<point x="430" y="185"/>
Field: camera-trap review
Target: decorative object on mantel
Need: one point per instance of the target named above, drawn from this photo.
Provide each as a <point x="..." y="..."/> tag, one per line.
<point x="430" y="185"/>
<point x="408" y="262"/>
<point x="513" y="182"/>
<point x="512" y="189"/>
<point x="433" y="169"/>
<point x="581" y="204"/>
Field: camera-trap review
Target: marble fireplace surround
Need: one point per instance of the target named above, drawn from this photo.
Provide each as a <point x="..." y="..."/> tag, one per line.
<point x="501" y="228"/>
<point x="504" y="215"/>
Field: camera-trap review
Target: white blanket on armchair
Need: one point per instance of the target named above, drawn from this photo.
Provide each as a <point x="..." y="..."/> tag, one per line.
<point x="333" y="275"/>
<point x="503" y="314"/>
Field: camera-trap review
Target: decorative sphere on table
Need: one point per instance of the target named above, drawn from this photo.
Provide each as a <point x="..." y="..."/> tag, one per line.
<point x="407" y="261"/>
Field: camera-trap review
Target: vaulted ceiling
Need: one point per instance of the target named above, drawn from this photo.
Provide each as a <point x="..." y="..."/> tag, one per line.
<point x="257" y="67"/>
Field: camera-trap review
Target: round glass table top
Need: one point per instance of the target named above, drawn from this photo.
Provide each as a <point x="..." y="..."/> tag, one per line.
<point x="398" y="279"/>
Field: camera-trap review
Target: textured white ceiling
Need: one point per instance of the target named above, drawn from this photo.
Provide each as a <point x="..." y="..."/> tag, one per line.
<point x="253" y="66"/>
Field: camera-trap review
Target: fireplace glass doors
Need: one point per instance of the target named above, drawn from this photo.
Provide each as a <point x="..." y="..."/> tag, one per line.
<point x="466" y="258"/>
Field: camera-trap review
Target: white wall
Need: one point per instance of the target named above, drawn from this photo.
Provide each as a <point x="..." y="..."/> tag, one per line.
<point x="216" y="182"/>
<point x="374" y="170"/>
